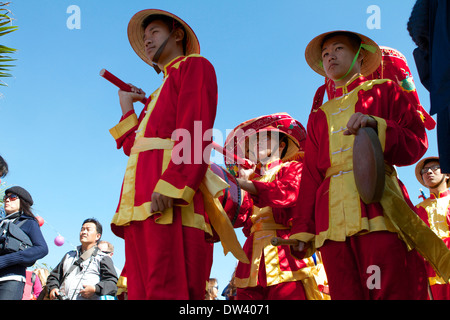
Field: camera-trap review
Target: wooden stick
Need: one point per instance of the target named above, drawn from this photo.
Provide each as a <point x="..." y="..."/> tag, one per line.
<point x="275" y="241"/>
<point x="243" y="162"/>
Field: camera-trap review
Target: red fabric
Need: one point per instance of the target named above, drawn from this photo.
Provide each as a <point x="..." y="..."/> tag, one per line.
<point x="293" y="290"/>
<point x="187" y="101"/>
<point x="172" y="261"/>
<point x="402" y="273"/>
<point x="281" y="195"/>
<point x="440" y="291"/>
<point x="406" y="142"/>
<point x="166" y="262"/>
<point x="394" y="67"/>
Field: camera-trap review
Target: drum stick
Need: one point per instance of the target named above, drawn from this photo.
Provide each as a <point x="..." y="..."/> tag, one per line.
<point x="275" y="241"/>
<point x="117" y="82"/>
<point x="243" y="162"/>
<point x="125" y="87"/>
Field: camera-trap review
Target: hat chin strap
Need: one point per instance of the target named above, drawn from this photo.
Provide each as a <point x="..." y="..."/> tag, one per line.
<point x="159" y="52"/>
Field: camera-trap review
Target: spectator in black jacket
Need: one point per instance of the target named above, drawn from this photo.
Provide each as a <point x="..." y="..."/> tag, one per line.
<point x="86" y="273"/>
<point x="17" y="204"/>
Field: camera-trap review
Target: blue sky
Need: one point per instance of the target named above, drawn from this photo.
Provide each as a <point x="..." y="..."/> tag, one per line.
<point x="56" y="112"/>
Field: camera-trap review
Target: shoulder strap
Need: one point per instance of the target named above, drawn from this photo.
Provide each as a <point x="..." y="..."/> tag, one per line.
<point x="86" y="255"/>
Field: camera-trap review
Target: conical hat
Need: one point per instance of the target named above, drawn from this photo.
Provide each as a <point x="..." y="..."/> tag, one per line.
<point x="281" y="122"/>
<point x="313" y="54"/>
<point x="136" y="33"/>
<point x="419" y="167"/>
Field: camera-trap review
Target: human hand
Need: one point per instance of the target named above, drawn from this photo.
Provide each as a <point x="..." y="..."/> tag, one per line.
<point x="87" y="291"/>
<point x="127" y="98"/>
<point x="160" y="202"/>
<point x="53" y="294"/>
<point x="246" y="173"/>
<point x="359" y="120"/>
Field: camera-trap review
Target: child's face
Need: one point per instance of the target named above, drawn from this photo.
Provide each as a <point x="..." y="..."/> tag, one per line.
<point x="266" y="146"/>
<point x="337" y="55"/>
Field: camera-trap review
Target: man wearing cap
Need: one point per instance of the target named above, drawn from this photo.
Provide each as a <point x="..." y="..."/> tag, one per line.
<point x="361" y="250"/>
<point x="275" y="142"/>
<point x="435" y="211"/>
<point x="161" y="213"/>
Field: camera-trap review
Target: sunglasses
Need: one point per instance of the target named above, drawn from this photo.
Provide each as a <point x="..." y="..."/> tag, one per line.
<point x="433" y="168"/>
<point x="11" y="197"/>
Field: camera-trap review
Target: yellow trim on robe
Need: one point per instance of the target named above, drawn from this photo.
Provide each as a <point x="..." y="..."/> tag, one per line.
<point x="167" y="189"/>
<point x="344" y="201"/>
<point x="263" y="230"/>
<point x="124" y="126"/>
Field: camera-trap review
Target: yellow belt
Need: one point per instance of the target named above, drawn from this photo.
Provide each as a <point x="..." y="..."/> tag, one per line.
<point x="211" y="188"/>
<point x="145" y="144"/>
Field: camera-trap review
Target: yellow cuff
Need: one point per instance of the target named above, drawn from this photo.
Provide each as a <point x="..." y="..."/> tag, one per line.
<point x="165" y="188"/>
<point x="381" y="127"/>
<point x="124" y="126"/>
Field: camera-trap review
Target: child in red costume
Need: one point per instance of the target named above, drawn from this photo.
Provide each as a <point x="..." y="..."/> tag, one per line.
<point x="276" y="143"/>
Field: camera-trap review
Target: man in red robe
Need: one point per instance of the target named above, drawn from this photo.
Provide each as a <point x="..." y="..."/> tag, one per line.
<point x="161" y="213"/>
<point x="361" y="244"/>
<point x="275" y="142"/>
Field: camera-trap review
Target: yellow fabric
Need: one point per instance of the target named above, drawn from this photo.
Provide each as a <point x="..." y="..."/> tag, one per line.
<point x="124" y="126"/>
<point x="144" y="144"/>
<point x="167" y="189"/>
<point x="437" y="215"/>
<point x="264" y="229"/>
<point x="210" y="188"/>
<point x="412" y="230"/>
<point x="121" y="286"/>
<point x="125" y="213"/>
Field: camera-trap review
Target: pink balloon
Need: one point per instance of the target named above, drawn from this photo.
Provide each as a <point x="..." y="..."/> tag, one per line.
<point x="40" y="220"/>
<point x="59" y="241"/>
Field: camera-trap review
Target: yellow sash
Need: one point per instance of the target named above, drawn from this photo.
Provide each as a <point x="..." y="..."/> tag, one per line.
<point x="410" y="228"/>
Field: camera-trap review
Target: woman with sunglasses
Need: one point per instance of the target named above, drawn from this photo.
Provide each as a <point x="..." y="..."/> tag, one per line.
<point x="17" y="204"/>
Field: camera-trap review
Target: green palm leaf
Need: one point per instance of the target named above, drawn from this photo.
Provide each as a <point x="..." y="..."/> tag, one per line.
<point x="5" y="28"/>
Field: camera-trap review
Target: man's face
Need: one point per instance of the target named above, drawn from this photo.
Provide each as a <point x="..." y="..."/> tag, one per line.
<point x="88" y="233"/>
<point x="431" y="175"/>
<point x="154" y="36"/>
<point x="337" y="55"/>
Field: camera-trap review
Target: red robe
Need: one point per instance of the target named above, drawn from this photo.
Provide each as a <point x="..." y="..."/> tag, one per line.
<point x="263" y="217"/>
<point x="330" y="208"/>
<point x="435" y="211"/>
<point x="177" y="115"/>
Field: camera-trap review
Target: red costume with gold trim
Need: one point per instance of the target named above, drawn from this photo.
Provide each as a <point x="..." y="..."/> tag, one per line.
<point x="166" y="254"/>
<point x="435" y="211"/>
<point x="272" y="272"/>
<point x="331" y="215"/>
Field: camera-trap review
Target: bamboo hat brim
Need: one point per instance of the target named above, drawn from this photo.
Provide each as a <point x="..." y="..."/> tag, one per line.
<point x="419" y="167"/>
<point x="313" y="54"/>
<point x="136" y="33"/>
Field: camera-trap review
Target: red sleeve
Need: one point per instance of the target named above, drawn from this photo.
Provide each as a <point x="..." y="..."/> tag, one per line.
<point x="303" y="222"/>
<point x="283" y="191"/>
<point x="405" y="136"/>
